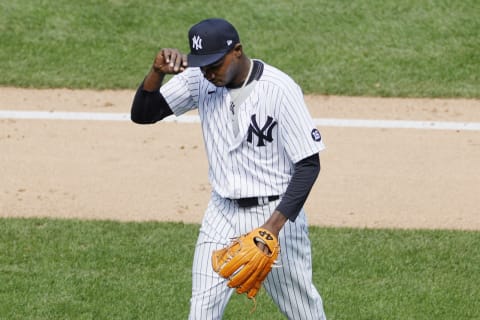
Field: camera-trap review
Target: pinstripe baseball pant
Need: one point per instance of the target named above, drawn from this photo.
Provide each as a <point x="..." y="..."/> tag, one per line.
<point x="289" y="285"/>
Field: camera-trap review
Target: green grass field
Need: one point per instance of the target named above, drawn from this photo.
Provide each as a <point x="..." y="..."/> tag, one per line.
<point x="69" y="269"/>
<point x="418" y="48"/>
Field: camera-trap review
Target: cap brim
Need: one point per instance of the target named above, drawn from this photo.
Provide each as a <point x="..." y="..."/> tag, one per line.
<point x="203" y="60"/>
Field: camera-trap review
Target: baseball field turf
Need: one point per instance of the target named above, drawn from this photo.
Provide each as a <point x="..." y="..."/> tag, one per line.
<point x="75" y="269"/>
<point x="425" y="48"/>
<point x="71" y="269"/>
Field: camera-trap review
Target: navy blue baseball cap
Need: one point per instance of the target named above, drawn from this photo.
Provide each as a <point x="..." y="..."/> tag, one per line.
<point x="210" y="40"/>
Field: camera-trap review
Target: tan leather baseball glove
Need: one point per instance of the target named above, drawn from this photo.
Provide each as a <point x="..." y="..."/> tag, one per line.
<point x="244" y="263"/>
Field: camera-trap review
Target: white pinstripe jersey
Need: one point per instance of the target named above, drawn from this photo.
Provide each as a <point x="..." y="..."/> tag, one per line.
<point x="276" y="130"/>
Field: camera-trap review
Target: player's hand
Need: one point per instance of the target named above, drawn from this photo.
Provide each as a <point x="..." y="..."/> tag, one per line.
<point x="170" y="61"/>
<point x="274" y="224"/>
<point x="263" y="247"/>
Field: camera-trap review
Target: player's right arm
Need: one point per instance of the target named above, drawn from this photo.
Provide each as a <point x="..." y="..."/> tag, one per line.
<point x="149" y="106"/>
<point x="167" y="61"/>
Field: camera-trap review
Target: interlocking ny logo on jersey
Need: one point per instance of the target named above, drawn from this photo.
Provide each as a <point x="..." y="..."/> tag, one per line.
<point x="260" y="133"/>
<point x="197" y="43"/>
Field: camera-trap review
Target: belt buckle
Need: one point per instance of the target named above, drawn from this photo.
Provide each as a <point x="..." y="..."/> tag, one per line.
<point x="262" y="201"/>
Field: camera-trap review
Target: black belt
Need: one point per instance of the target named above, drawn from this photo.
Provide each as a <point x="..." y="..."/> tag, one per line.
<point x="255" y="201"/>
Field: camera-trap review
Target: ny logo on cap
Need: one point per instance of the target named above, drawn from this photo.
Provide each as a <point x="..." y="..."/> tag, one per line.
<point x="197" y="42"/>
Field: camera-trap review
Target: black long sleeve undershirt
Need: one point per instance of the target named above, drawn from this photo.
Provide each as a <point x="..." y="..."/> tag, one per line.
<point x="149" y="107"/>
<point x="303" y="178"/>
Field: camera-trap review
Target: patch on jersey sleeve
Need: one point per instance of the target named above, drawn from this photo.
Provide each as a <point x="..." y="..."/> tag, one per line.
<point x="316" y="135"/>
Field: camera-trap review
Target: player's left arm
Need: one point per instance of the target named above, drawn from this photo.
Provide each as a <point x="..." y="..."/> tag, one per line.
<point x="303" y="179"/>
<point x="303" y="143"/>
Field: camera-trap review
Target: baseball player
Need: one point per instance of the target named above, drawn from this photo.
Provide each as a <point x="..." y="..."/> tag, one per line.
<point x="263" y="156"/>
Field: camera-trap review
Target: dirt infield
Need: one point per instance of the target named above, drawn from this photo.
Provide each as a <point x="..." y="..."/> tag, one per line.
<point x="395" y="178"/>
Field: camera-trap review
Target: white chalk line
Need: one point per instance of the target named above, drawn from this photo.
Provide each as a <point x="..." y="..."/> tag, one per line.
<point x="322" y="122"/>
